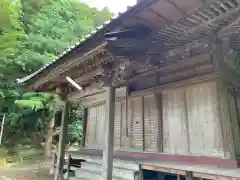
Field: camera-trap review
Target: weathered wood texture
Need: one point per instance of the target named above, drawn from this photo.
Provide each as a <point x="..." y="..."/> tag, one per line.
<point x="233" y="98"/>
<point x="193" y="119"/>
<point x="109" y="134"/>
<point x="136" y="123"/>
<point x="225" y="120"/>
<point x="192" y="124"/>
<point x="95" y="127"/>
<point x="150" y="123"/>
<point x="62" y="142"/>
<point x="204" y="123"/>
<point x="117" y="125"/>
<point x="84" y="125"/>
<point x="175" y="121"/>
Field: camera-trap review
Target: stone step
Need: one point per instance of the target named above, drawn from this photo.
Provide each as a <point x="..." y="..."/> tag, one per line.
<point x="116" y="163"/>
<point x="92" y="175"/>
<point x="76" y="178"/>
<point x="119" y="172"/>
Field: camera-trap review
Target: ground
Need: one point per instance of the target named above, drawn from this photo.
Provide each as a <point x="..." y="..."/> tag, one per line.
<point x="30" y="172"/>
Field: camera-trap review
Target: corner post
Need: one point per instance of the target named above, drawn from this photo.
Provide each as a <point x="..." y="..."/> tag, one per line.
<point x="62" y="138"/>
<point x="109" y="132"/>
<point x="84" y="124"/>
<point x="189" y="175"/>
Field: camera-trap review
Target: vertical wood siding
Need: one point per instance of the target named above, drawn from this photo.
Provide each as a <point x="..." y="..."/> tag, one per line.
<point x="117" y="125"/>
<point x="234" y="107"/>
<point x="150" y="123"/>
<point x="137" y="123"/>
<point x="125" y="130"/>
<point x="100" y="126"/>
<point x="95" y="127"/>
<point x="175" y="122"/>
<point x="196" y="120"/>
<point x="203" y="118"/>
<point x="91" y="123"/>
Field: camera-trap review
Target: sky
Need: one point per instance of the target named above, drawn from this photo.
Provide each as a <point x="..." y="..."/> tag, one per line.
<point x="115" y="6"/>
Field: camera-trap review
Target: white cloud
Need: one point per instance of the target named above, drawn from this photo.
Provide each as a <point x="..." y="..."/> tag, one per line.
<point x="114" y="5"/>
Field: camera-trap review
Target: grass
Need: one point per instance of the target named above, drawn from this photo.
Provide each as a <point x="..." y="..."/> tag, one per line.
<point x="3" y="156"/>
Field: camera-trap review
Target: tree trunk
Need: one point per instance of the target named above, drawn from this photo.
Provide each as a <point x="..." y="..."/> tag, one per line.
<point x="49" y="138"/>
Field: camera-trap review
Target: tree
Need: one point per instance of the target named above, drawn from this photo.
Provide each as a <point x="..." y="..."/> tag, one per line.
<point x="35" y="32"/>
<point x="11" y="34"/>
<point x="52" y="26"/>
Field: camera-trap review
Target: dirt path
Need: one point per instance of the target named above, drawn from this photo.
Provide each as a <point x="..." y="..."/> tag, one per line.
<point x="33" y="172"/>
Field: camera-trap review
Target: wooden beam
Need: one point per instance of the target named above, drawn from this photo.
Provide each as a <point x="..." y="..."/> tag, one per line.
<point x="88" y="76"/>
<point x="109" y="134"/>
<point x="173" y="70"/>
<point x="160" y="157"/>
<point x="230" y="29"/>
<point x="62" y="142"/>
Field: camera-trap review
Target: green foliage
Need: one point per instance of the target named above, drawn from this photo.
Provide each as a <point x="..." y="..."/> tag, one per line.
<point x="10" y="37"/>
<point x="75" y="125"/>
<point x="31" y="34"/>
<point x="52" y="27"/>
<point x="3" y="152"/>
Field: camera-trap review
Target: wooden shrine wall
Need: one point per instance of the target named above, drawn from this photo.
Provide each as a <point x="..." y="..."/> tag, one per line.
<point x="191" y="121"/>
<point x="136" y="126"/>
<point x="196" y="120"/>
<point x="95" y="127"/>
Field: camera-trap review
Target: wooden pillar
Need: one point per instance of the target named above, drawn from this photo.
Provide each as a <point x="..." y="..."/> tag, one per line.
<point x="62" y="142"/>
<point x="84" y="124"/>
<point x="178" y="177"/>
<point x="109" y="134"/>
<point x="189" y="175"/>
<point x="68" y="166"/>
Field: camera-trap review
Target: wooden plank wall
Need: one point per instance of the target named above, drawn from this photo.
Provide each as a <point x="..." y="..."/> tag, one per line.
<point x="175" y="129"/>
<point x="95" y="127"/>
<point x="233" y="96"/>
<point x="138" y="132"/>
<point x="191" y="123"/>
<point x="203" y="119"/>
<point x="195" y="120"/>
<point x="150" y="123"/>
<point x="136" y="115"/>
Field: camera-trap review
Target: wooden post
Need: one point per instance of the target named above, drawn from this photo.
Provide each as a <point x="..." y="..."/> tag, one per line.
<point x="84" y="123"/>
<point x="68" y="166"/>
<point x="189" y="175"/>
<point x="62" y="142"/>
<point x="2" y="126"/>
<point x="178" y="177"/>
<point x="53" y="168"/>
<point x="109" y="133"/>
